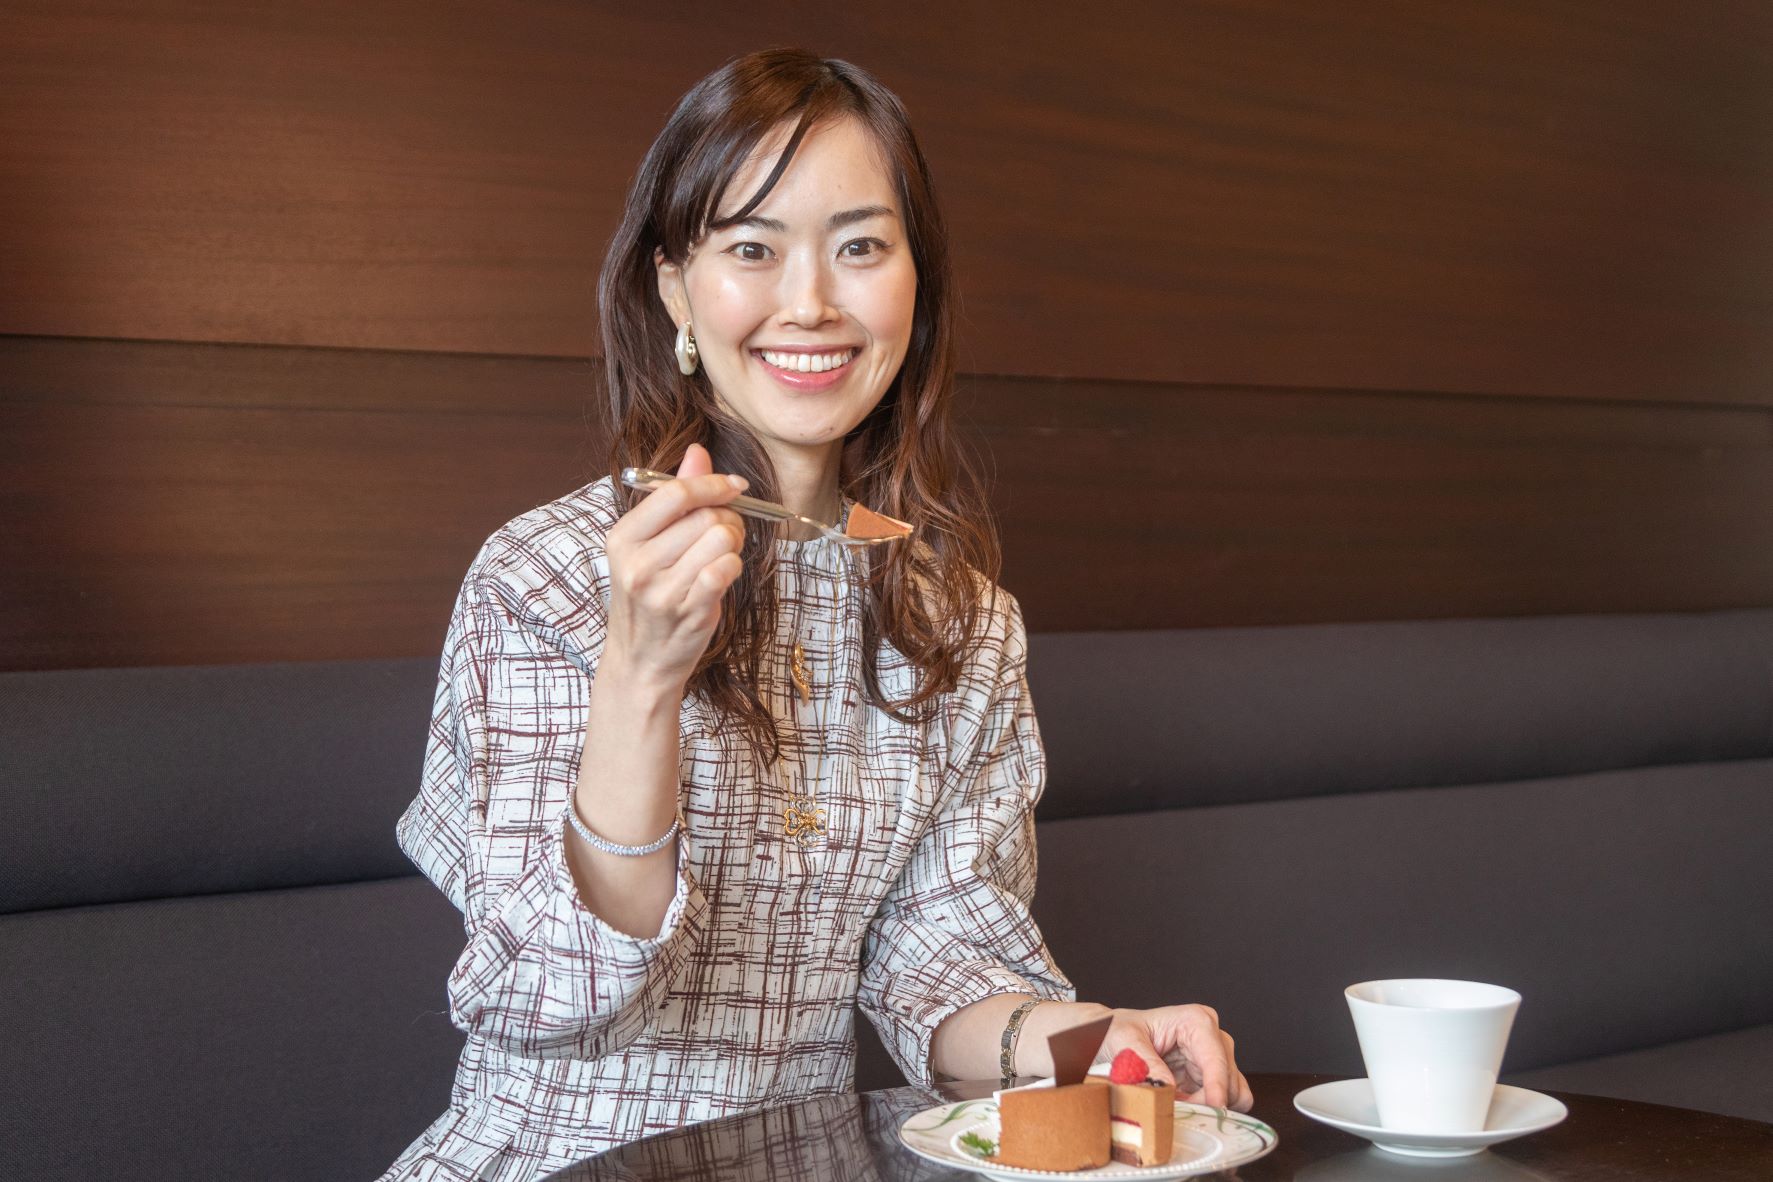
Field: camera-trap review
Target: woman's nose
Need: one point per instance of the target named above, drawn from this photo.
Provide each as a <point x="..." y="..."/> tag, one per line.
<point x="806" y="292"/>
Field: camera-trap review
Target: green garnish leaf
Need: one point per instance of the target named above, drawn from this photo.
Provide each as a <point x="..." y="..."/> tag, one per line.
<point x="978" y="1144"/>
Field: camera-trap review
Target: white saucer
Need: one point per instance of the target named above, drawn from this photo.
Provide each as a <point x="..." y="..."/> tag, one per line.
<point x="1348" y="1105"/>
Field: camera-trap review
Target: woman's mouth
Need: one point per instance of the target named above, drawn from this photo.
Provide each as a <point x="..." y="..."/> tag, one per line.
<point x="807" y="371"/>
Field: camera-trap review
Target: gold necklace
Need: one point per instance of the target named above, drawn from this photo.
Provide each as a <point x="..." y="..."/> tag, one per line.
<point x="802" y="819"/>
<point x="797" y="670"/>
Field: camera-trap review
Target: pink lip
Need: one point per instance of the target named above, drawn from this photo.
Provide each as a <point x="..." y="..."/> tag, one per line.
<point x="796" y="380"/>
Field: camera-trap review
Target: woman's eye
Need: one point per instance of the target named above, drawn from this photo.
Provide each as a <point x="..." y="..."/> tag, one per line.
<point x="861" y="248"/>
<point x="751" y="252"/>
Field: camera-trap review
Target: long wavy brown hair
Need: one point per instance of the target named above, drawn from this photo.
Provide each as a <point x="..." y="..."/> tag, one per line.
<point x="904" y="459"/>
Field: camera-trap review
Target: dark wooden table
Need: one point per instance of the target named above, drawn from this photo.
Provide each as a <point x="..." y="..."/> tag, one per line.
<point x="855" y="1138"/>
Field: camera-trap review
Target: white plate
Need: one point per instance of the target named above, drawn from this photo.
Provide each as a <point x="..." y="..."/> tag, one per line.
<point x="1348" y="1105"/>
<point x="1207" y="1139"/>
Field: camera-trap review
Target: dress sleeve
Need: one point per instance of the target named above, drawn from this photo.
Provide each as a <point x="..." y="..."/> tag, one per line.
<point x="541" y="975"/>
<point x="955" y="927"/>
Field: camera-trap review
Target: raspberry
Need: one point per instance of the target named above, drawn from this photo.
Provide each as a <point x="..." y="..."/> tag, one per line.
<point x="1128" y="1068"/>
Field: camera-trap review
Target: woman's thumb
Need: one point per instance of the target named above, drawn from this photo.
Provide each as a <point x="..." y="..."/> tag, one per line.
<point x="696" y="461"/>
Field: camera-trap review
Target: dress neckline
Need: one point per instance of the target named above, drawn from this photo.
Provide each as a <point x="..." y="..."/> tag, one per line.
<point x="819" y="550"/>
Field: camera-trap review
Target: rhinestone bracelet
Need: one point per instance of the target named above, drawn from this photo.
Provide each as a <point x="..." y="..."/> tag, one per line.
<point x="1012" y="1029"/>
<point x="609" y="847"/>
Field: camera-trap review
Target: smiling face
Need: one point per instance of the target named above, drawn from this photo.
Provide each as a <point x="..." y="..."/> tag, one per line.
<point x="802" y="312"/>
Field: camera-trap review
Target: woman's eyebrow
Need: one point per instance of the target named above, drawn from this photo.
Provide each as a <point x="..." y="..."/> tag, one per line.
<point x="836" y="221"/>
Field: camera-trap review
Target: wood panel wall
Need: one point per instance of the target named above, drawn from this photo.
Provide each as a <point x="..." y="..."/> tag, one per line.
<point x="1381" y="310"/>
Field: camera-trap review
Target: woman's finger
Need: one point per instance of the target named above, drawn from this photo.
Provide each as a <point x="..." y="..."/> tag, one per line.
<point x="1211" y="1056"/>
<point x="658" y="509"/>
<point x="696" y="461"/>
<point x="1138" y="1040"/>
<point x="1238" y="1094"/>
<point x="667" y="548"/>
<point x="1244" y="1099"/>
<point x="1182" y="1067"/>
<point x="701" y="608"/>
<point x="674" y="588"/>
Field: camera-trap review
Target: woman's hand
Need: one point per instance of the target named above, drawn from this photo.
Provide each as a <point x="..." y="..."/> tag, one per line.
<point x="1184" y="1045"/>
<point x="671" y="559"/>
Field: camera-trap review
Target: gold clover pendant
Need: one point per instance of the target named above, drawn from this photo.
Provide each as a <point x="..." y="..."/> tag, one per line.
<point x="803" y="822"/>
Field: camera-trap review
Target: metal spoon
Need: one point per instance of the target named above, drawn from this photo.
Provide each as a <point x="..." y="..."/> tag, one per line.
<point x="646" y="480"/>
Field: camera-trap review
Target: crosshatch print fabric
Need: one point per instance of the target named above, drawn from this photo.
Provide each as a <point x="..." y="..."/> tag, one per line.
<point x="914" y="904"/>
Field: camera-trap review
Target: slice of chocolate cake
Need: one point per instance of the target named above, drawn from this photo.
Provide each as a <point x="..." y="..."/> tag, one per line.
<point x="864" y="522"/>
<point x="1061" y="1123"/>
<point x="1141" y="1113"/>
<point x="1054" y="1128"/>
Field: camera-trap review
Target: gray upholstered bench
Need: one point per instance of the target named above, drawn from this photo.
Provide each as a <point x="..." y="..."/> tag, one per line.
<point x="215" y="962"/>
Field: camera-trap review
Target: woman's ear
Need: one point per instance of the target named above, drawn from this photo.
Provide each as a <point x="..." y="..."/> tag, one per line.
<point x="671" y="291"/>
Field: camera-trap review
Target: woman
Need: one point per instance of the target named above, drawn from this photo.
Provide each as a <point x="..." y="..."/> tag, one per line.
<point x="700" y="789"/>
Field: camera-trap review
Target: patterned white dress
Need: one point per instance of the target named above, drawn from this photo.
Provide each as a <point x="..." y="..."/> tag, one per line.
<point x="914" y="904"/>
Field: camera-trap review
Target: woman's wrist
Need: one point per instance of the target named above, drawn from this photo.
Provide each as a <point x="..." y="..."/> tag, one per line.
<point x="1010" y="1043"/>
<point x="634" y="685"/>
<point x="1032" y="1055"/>
<point x="627" y="786"/>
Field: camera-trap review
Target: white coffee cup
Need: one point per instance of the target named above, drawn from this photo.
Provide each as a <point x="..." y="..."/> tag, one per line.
<point x="1433" y="1049"/>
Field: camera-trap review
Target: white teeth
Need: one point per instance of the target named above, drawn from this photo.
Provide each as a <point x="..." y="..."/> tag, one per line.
<point x="807" y="362"/>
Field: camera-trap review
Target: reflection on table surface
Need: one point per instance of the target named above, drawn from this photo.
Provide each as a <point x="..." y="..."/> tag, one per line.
<point x="855" y="1138"/>
<point x="832" y="1137"/>
<point x="1374" y="1165"/>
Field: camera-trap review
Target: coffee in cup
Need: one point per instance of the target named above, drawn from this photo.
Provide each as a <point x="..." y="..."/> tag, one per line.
<point x="1433" y="1049"/>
